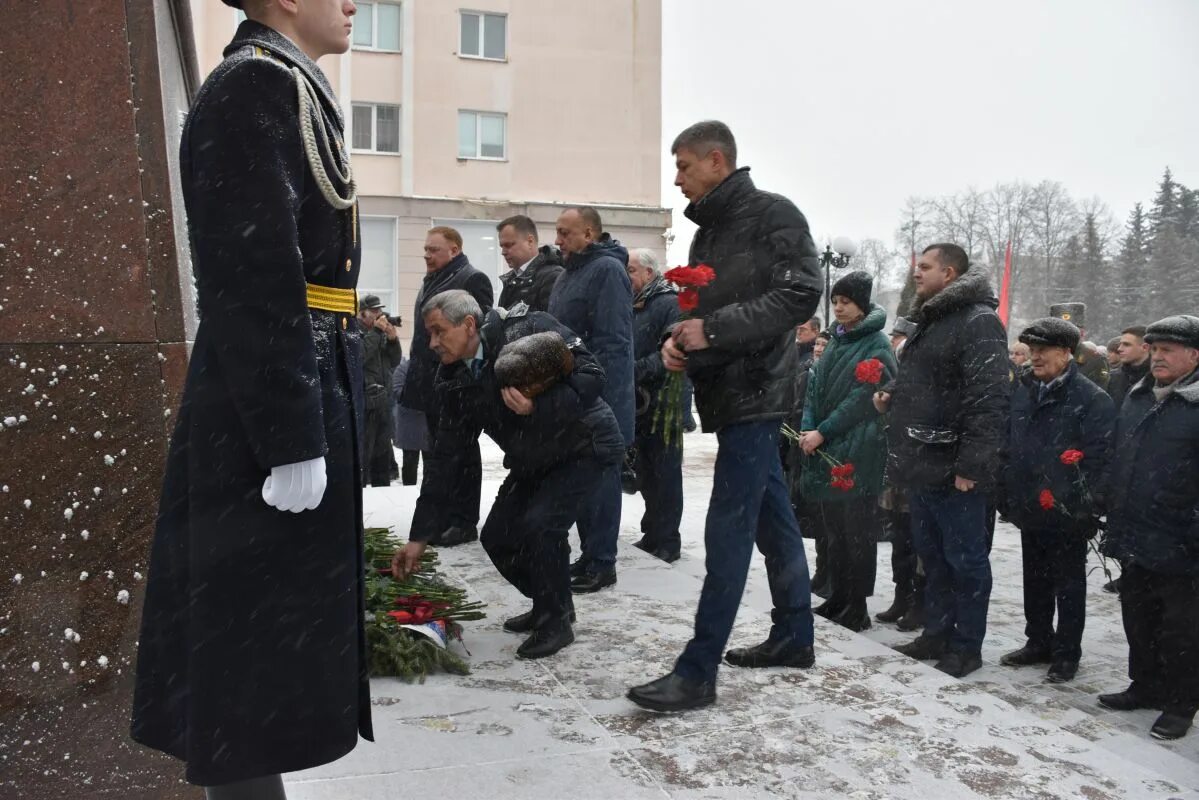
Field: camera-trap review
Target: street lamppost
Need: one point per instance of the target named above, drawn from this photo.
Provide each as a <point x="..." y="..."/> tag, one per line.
<point x="836" y="256"/>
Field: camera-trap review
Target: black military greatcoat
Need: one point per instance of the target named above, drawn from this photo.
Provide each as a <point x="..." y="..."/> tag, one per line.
<point x="251" y="659"/>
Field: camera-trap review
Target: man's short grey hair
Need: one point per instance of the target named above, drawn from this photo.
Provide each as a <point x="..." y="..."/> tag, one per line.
<point x="647" y="259"/>
<point x="455" y="305"/>
<point x="704" y="137"/>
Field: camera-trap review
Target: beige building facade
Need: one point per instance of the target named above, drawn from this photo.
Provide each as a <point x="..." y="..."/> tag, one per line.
<point x="465" y="115"/>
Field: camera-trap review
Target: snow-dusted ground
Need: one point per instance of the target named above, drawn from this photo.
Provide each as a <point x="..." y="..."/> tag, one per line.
<point x="864" y="723"/>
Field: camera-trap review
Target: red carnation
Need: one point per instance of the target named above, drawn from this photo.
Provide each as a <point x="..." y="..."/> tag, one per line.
<point x="869" y="371"/>
<point x="691" y="277"/>
<point x="1071" y="457"/>
<point x="842" y="483"/>
<point x="842" y="470"/>
<point x="1046" y="499"/>
<point x="688" y="300"/>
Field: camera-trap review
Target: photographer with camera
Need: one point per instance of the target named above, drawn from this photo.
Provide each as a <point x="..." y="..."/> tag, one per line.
<point x="381" y="354"/>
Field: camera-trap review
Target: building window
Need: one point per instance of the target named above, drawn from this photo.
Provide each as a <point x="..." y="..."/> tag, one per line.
<point x="482" y="135"/>
<point x="377" y="26"/>
<point x="376" y="128"/>
<point x="484" y="36"/>
<point x="377" y="274"/>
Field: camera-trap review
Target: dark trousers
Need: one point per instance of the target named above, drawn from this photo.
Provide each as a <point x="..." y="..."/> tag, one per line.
<point x="749" y="504"/>
<point x="599" y="520"/>
<point x="851" y="529"/>
<point x="411" y="461"/>
<point x="526" y="532"/>
<point x="377" y="455"/>
<point x="465" y="512"/>
<point x="1161" y="621"/>
<point x="903" y="552"/>
<point x="1055" y="576"/>
<point x="660" y="470"/>
<point x="949" y="531"/>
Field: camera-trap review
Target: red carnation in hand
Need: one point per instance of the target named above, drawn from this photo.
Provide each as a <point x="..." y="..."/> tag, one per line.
<point x="1047" y="500"/>
<point x="688" y="300"/>
<point x="1071" y="457"/>
<point x="869" y="371"/>
<point x="691" y="277"/>
<point x="842" y="470"/>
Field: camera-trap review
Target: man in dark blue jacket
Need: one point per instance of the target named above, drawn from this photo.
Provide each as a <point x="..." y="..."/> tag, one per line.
<point x="594" y="298"/>
<point x="739" y="349"/>
<point x="447" y="267"/>
<point x="658" y="466"/>
<point x="1153" y="529"/>
<point x="557" y="442"/>
<point x="1061" y="425"/>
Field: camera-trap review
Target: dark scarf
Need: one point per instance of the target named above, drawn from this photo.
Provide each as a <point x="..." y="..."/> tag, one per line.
<point x="651" y="290"/>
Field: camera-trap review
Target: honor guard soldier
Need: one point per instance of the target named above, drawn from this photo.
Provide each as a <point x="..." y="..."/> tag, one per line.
<point x="251" y="659"/>
<point x="1091" y="362"/>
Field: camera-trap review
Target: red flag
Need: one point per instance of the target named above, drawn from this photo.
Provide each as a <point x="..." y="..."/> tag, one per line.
<point x="1005" y="290"/>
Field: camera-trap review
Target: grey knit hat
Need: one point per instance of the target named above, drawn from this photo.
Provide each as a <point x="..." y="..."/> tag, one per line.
<point x="1052" y="332"/>
<point x="1182" y="329"/>
<point x="903" y="327"/>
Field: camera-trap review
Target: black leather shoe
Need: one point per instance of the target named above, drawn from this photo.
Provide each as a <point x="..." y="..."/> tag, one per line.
<point x="820" y="585"/>
<point x="643" y="544"/>
<point x="546" y="640"/>
<point x="578" y="566"/>
<point x="673" y="693"/>
<point x="523" y="623"/>
<point x="923" y="648"/>
<point x="829" y="609"/>
<point x="913" y="620"/>
<point x="454" y="536"/>
<point x="665" y="554"/>
<point x="1026" y="656"/>
<point x="959" y="665"/>
<point x="854" y="618"/>
<point x="772" y="654"/>
<point x="896" y="611"/>
<point x="1112" y="586"/>
<point x="1130" y="699"/>
<point x="590" y="581"/>
<point x="1171" y="725"/>
<point x="1062" y="671"/>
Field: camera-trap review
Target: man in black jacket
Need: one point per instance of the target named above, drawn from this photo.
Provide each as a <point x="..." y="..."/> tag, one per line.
<point x="446" y="268"/>
<point x="534" y="271"/>
<point x="1153" y="529"/>
<point x="1061" y="425"/>
<point x="1134" y="364"/>
<point x="658" y="465"/>
<point x="738" y="346"/>
<point x="381" y="354"/>
<point x="949" y="418"/>
<point x="556" y="445"/>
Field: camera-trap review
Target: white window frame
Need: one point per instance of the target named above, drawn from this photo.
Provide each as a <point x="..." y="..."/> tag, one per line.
<point x="374" y="47"/>
<point x="483" y="15"/>
<point x="479" y="135"/>
<point x="394" y="290"/>
<point x="373" y="150"/>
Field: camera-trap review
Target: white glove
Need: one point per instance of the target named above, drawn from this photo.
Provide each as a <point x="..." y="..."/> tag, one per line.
<point x="296" y="487"/>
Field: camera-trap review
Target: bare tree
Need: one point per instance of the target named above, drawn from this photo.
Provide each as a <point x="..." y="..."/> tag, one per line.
<point x="1053" y="218"/>
<point x="958" y="218"/>
<point x="882" y="262"/>
<point x="914" y="217"/>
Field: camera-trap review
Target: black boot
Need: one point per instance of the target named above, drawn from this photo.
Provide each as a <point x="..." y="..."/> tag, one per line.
<point x="900" y="606"/>
<point x="579" y="566"/>
<point x="854" y="616"/>
<point x="673" y="693"/>
<point x="923" y="648"/>
<point x="548" y="637"/>
<point x="1026" y="656"/>
<point x="913" y="620"/>
<point x="829" y="608"/>
<point x="781" y="653"/>
<point x="592" y="580"/>
<point x="523" y="623"/>
<point x="1131" y="699"/>
<point x="820" y="584"/>
<point x="455" y="535"/>
<point x="1172" y="724"/>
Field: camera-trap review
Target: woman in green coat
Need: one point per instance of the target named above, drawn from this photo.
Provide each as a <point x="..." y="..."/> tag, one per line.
<point x="845" y="446"/>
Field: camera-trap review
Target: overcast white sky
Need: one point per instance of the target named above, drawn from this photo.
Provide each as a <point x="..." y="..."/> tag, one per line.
<point x="850" y="107"/>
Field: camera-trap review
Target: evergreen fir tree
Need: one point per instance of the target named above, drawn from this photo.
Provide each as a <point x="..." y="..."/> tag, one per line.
<point x="1132" y="282"/>
<point x="1096" y="288"/>
<point x="1188" y="213"/>
<point x="1164" y="213"/>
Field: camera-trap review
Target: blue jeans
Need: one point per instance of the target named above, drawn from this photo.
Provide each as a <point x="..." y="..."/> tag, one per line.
<point x="749" y="503"/>
<point x="949" y="531"/>
<point x="599" y="523"/>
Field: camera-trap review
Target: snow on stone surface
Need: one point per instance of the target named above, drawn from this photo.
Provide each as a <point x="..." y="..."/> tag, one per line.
<point x="865" y="722"/>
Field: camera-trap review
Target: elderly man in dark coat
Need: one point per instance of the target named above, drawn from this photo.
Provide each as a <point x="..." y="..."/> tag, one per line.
<point x="1057" y="449"/>
<point x="1153" y="528"/>
<point x="658" y="465"/>
<point x="531" y="385"/>
<point x="446" y="268"/>
<point x="251" y="658"/>
<point x="594" y="298"/>
<point x="739" y="349"/>
<point x="948" y="426"/>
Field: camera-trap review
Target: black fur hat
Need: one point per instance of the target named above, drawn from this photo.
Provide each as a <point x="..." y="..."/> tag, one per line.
<point x="1052" y="332"/>
<point x="1182" y="329"/>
